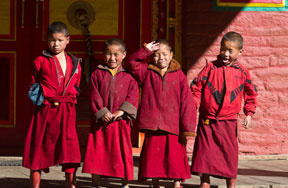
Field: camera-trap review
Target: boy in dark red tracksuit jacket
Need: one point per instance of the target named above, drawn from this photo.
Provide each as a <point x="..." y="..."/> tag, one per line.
<point x="218" y="90"/>
<point x="114" y="98"/>
<point x="166" y="114"/>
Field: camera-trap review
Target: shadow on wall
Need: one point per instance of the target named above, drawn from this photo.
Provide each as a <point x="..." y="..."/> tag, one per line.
<point x="201" y="27"/>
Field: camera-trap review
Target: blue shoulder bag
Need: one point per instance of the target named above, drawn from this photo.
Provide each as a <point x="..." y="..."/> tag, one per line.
<point x="35" y="94"/>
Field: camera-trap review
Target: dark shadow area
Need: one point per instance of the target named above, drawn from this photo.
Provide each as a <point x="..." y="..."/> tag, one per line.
<point x="25" y="183"/>
<point x="116" y="182"/>
<point x="84" y="182"/>
<point x="202" y="25"/>
<point x="255" y="172"/>
<point x="136" y="161"/>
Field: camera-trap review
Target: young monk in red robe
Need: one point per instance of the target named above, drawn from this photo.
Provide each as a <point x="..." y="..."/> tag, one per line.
<point x="52" y="137"/>
<point x="114" y="99"/>
<point x="218" y="91"/>
<point x="167" y="114"/>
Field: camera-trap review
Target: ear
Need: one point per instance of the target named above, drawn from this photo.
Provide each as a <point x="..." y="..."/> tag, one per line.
<point x="124" y="54"/>
<point x="172" y="54"/>
<point x="68" y="39"/>
<point x="240" y="51"/>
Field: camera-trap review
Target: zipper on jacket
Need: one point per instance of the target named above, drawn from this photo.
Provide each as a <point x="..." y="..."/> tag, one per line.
<point x="73" y="73"/>
<point x="161" y="100"/>
<point x="111" y="95"/>
<point x="223" y="92"/>
<point x="56" y="70"/>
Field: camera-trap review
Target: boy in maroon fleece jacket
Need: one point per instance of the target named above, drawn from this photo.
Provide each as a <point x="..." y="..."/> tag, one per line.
<point x="218" y="90"/>
<point x="167" y="113"/>
<point x="114" y="96"/>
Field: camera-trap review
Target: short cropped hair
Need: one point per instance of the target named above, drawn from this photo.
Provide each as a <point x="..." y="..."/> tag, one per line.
<point x="233" y="37"/>
<point x="115" y="41"/>
<point x="165" y="42"/>
<point x="57" y="27"/>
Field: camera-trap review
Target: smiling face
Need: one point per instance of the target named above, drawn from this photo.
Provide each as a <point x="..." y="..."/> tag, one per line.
<point x="229" y="51"/>
<point x="57" y="42"/>
<point x="114" y="56"/>
<point x="162" y="57"/>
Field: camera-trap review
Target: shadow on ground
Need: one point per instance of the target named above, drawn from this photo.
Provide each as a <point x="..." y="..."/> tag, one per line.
<point x="255" y="172"/>
<point x="84" y="182"/>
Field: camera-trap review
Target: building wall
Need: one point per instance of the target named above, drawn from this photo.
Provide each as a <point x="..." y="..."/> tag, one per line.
<point x="265" y="55"/>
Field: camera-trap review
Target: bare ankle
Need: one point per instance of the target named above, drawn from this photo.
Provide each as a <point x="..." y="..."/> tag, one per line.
<point x="125" y="183"/>
<point x="231" y="182"/>
<point x="177" y="183"/>
<point x="205" y="181"/>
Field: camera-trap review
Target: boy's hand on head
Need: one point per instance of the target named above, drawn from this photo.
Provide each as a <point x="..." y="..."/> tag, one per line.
<point x="107" y="117"/>
<point x="247" y="121"/>
<point x="117" y="114"/>
<point x="153" y="46"/>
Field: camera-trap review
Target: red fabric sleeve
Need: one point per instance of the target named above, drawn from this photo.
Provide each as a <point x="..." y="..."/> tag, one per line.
<point x="250" y="94"/>
<point x="188" y="111"/>
<point x="130" y="105"/>
<point x="36" y="66"/>
<point x="136" y="64"/>
<point x="197" y="84"/>
<point x="96" y="102"/>
<point x="79" y="75"/>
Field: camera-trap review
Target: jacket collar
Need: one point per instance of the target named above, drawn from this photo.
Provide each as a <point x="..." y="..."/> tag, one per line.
<point x="75" y="60"/>
<point x="48" y="53"/>
<point x="105" y="67"/>
<point x="174" y="66"/>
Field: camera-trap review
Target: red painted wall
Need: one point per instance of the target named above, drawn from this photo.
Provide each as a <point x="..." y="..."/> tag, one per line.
<point x="265" y="55"/>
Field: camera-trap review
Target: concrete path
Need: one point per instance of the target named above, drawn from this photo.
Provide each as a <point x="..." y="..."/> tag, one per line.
<point x="253" y="172"/>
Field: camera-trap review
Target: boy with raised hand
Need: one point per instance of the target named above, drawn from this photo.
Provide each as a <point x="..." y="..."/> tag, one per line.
<point x="167" y="113"/>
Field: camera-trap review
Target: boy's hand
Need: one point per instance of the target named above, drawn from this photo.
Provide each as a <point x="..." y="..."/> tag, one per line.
<point x="117" y="114"/>
<point x="107" y="117"/>
<point x="153" y="46"/>
<point x="247" y="121"/>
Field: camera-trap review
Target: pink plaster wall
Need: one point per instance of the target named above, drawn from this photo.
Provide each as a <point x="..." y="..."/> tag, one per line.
<point x="265" y="55"/>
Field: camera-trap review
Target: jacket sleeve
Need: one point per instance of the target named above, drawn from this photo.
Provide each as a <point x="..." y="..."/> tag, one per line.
<point x="136" y="64"/>
<point x="35" y="92"/>
<point x="36" y="71"/>
<point x="131" y="102"/>
<point x="77" y="84"/>
<point x="188" y="111"/>
<point x="250" y="94"/>
<point x="197" y="84"/>
<point x="96" y="101"/>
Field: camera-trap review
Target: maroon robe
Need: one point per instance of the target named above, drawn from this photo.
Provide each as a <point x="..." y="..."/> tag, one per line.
<point x="163" y="156"/>
<point x="216" y="149"/>
<point x="52" y="137"/>
<point x="109" y="147"/>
